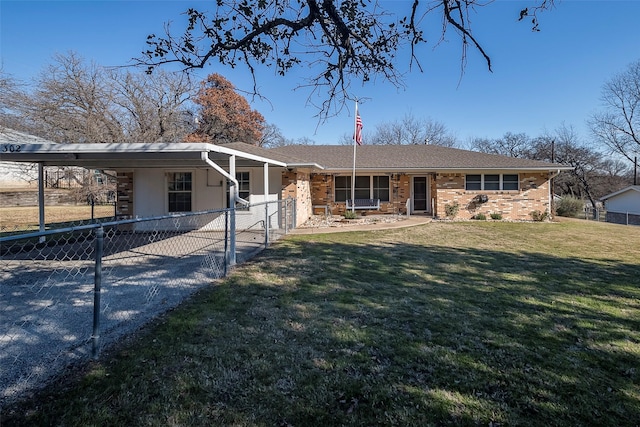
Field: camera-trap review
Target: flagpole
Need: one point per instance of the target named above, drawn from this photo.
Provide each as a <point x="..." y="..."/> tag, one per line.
<point x="353" y="174"/>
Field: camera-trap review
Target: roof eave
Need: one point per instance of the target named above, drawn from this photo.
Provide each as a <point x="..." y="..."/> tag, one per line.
<point x="306" y="166"/>
<point x="624" y="190"/>
<point x="449" y="169"/>
<point x="122" y="154"/>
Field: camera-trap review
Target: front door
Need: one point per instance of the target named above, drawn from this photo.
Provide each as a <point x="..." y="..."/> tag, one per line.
<point x="420" y="194"/>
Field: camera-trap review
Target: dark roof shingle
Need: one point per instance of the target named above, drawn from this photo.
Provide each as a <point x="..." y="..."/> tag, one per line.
<point x="404" y="157"/>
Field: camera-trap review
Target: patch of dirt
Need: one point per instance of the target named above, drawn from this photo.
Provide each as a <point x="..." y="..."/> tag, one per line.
<point x="21" y="217"/>
<point x="320" y="221"/>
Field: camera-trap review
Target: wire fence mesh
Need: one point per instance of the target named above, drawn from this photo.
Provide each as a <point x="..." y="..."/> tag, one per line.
<point x="67" y="293"/>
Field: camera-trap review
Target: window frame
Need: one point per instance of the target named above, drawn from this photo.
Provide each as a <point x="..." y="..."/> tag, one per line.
<point x="516" y="182"/>
<point x="500" y="183"/>
<point x="475" y="182"/>
<point x="376" y="188"/>
<point x="342" y="187"/>
<point x="173" y="206"/>
<point x="242" y="193"/>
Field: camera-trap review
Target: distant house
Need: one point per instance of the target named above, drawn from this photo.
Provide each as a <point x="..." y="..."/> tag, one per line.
<point x="161" y="178"/>
<point x="19" y="180"/>
<point x="623" y="206"/>
<point x="18" y="175"/>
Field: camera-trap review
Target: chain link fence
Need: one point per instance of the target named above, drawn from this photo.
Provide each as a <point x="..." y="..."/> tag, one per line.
<point x="67" y="293"/>
<point x="598" y="214"/>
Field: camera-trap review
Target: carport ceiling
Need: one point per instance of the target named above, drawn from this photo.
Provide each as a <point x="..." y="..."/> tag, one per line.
<point x="132" y="155"/>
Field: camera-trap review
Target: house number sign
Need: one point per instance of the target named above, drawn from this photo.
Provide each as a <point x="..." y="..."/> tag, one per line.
<point x="11" y="148"/>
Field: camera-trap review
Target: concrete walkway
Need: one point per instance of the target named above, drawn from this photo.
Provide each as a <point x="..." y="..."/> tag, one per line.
<point x="369" y="223"/>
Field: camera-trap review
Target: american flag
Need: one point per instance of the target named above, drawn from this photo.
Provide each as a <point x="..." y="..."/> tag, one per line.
<point x="358" y="134"/>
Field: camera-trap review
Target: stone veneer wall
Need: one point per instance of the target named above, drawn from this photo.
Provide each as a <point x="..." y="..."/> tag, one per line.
<point x="514" y="205"/>
<point x="29" y="197"/>
<point x="124" y="207"/>
<point x="297" y="185"/>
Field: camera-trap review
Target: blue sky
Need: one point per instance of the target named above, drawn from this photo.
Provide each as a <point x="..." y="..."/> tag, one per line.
<point x="540" y="80"/>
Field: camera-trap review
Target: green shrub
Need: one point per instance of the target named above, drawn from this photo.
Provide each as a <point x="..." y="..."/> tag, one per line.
<point x="539" y="216"/>
<point x="350" y="215"/>
<point x="480" y="216"/>
<point x="569" y="206"/>
<point x="452" y="209"/>
<point x="496" y="216"/>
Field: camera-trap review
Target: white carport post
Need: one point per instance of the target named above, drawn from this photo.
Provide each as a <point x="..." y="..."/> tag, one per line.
<point x="41" y="199"/>
<point x="233" y="191"/>
<point x="265" y="168"/>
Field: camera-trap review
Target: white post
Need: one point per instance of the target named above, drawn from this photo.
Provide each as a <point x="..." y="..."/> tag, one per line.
<point x="353" y="174"/>
<point x="266" y="203"/>
<point x="233" y="191"/>
<point x="41" y="199"/>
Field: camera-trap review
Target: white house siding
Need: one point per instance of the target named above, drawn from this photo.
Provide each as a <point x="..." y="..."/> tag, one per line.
<point x="624" y="207"/>
<point x="209" y="193"/>
<point x="629" y="201"/>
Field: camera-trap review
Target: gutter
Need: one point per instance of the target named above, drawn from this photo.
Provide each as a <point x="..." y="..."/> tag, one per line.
<point x="556" y="173"/>
<point x="305" y="165"/>
<point x="207" y="160"/>
<point x="551" y="194"/>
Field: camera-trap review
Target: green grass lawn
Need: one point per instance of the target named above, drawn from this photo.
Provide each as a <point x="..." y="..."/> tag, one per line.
<point x="450" y="323"/>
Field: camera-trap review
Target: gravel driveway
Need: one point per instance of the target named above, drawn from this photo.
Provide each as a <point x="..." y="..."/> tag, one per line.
<point x="47" y="294"/>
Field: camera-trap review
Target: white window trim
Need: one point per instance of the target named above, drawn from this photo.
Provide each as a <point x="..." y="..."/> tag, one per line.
<point x="241" y="210"/>
<point x="250" y="180"/>
<point x="166" y="188"/>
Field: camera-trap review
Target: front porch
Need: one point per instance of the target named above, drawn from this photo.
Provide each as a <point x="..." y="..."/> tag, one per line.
<point x="387" y="193"/>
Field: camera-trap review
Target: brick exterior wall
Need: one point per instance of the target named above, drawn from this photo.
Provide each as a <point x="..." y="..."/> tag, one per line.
<point x="446" y="188"/>
<point x="514" y="205"/>
<point x="297" y="185"/>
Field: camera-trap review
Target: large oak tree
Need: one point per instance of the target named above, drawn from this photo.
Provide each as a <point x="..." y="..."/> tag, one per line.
<point x="338" y="41"/>
<point x="224" y="115"/>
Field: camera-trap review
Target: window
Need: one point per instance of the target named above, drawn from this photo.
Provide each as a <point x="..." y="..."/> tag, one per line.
<point x="179" y="191"/>
<point x="381" y="188"/>
<point x="363" y="190"/>
<point x="367" y="187"/>
<point x="244" y="186"/>
<point x="343" y="188"/>
<point x="244" y="189"/>
<point x="474" y="182"/>
<point x="510" y="182"/>
<point x="491" y="182"/>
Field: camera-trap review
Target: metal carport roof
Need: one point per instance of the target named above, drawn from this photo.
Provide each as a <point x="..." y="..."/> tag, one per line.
<point x="139" y="155"/>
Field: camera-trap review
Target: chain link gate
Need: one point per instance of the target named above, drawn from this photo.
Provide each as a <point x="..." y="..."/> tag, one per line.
<point x="66" y="293"/>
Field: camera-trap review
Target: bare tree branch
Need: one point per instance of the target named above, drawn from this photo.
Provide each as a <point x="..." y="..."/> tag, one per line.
<point x="341" y="42"/>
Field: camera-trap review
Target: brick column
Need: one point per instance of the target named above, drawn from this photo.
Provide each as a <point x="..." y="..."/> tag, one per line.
<point x="124" y="206"/>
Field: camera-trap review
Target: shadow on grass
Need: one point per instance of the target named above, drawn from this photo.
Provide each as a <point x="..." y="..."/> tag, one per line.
<point x="537" y="338"/>
<point x="335" y="333"/>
